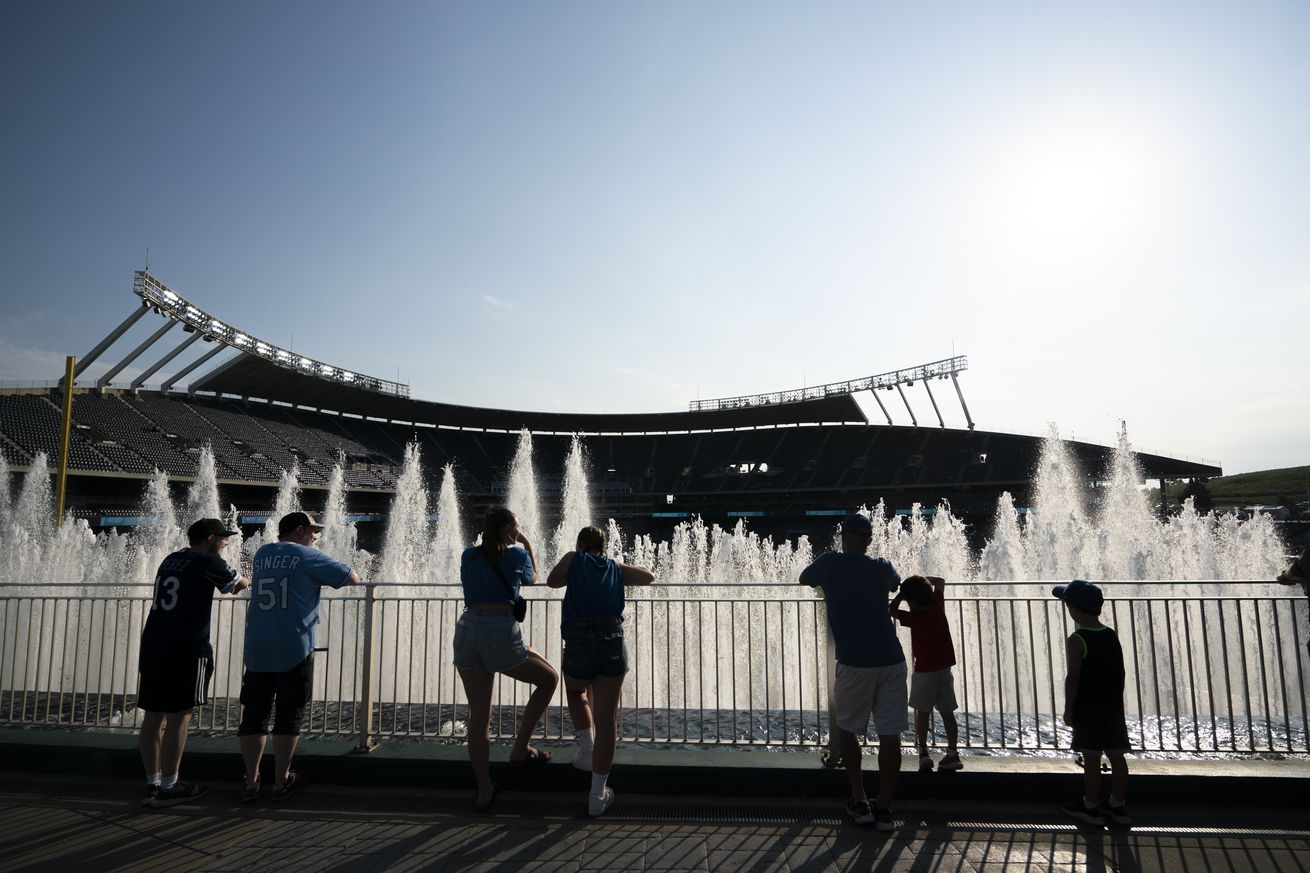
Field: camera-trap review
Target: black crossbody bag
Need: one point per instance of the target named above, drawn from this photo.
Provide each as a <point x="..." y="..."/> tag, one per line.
<point x="520" y="605"/>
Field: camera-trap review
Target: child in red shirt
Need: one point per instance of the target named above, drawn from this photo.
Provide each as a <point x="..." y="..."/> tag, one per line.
<point x="932" y="686"/>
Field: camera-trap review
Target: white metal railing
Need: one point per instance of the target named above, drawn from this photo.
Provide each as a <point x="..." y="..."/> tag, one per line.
<point x="1215" y="667"/>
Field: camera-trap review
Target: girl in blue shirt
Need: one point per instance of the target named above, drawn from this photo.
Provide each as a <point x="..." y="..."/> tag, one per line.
<point x="489" y="640"/>
<point x="595" y="658"/>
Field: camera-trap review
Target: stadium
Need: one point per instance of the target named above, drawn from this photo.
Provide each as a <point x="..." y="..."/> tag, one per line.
<point x="787" y="461"/>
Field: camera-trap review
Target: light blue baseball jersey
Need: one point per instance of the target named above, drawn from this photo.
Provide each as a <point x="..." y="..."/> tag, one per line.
<point x="285" y="584"/>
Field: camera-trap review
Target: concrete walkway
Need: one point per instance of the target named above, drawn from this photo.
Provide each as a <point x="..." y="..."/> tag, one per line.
<point x="63" y="823"/>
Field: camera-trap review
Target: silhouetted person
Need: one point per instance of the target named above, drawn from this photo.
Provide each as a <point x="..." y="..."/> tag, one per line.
<point x="1094" y="704"/>
<point x="176" y="658"/>
<point x="595" y="656"/>
<point x="870" y="663"/>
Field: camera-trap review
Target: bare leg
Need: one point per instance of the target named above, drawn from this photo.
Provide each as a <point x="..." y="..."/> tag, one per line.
<point x="1092" y="777"/>
<point x="284" y="746"/>
<point x="575" y="692"/>
<point x="952" y="730"/>
<point x="477" y="688"/>
<point x="170" y="754"/>
<point x="150" y="740"/>
<point x="252" y="749"/>
<point x="850" y="756"/>
<point x="605" y="691"/>
<point x="889" y="768"/>
<point x="921" y="730"/>
<point x="536" y="671"/>
<point x="1118" y="776"/>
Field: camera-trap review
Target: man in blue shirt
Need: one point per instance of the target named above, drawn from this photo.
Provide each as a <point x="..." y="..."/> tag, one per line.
<point x="287" y="579"/>
<point x="871" y="672"/>
<point x="176" y="660"/>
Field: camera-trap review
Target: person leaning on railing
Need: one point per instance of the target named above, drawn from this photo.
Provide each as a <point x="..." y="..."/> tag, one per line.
<point x="595" y="657"/>
<point x="176" y="658"/>
<point x="489" y="640"/>
<point x="1299" y="574"/>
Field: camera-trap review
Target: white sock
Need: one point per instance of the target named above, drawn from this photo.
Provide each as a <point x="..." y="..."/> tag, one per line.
<point x="167" y="782"/>
<point x="153" y="778"/>
<point x="584" y="741"/>
<point x="598" y="783"/>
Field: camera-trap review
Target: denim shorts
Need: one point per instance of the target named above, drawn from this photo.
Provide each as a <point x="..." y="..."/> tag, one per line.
<point x="594" y="647"/>
<point x="491" y="641"/>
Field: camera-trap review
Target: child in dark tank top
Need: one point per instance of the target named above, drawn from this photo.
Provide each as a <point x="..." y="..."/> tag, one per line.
<point x="1094" y="704"/>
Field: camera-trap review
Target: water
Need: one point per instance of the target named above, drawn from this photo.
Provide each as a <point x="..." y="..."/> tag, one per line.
<point x="708" y="654"/>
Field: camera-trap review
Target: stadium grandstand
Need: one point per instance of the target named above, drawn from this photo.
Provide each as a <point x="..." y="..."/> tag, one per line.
<point x="787" y="461"/>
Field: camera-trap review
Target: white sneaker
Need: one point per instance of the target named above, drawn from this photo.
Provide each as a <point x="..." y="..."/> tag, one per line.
<point x="582" y="762"/>
<point x="597" y="805"/>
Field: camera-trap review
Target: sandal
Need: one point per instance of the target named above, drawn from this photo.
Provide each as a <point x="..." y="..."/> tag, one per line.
<point x="483" y="807"/>
<point x="294" y="783"/>
<point x="249" y="793"/>
<point x="536" y="757"/>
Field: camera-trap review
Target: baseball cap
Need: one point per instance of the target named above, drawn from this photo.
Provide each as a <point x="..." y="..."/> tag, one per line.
<point x="293" y="520"/>
<point x="857" y="524"/>
<point x="203" y="528"/>
<point x="1080" y="594"/>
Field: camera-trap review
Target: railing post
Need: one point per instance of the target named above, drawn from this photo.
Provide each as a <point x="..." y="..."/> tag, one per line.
<point x="366" y="739"/>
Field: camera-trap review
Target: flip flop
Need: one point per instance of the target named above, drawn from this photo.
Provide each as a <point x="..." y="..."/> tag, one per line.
<point x="535" y="758"/>
<point x="490" y="800"/>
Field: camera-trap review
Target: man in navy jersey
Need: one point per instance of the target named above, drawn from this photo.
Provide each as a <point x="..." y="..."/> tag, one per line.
<point x="289" y="576"/>
<point x="176" y="659"/>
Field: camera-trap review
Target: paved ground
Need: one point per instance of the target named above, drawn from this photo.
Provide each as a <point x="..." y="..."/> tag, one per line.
<point x="62" y="824"/>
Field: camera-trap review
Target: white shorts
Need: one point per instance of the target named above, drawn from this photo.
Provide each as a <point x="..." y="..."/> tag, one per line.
<point x="880" y="691"/>
<point x="933" y="690"/>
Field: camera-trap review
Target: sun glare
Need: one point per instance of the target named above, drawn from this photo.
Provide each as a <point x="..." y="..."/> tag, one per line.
<point x="1068" y="187"/>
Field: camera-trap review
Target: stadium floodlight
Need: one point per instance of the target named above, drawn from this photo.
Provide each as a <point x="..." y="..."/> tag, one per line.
<point x="947" y="368"/>
<point x="154" y="294"/>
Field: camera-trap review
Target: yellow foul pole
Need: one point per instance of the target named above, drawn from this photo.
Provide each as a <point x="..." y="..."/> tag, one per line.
<point x="65" y="437"/>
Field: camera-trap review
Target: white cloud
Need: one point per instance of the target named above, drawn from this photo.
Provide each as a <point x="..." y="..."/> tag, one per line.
<point x="23" y="363"/>
<point x="497" y="303"/>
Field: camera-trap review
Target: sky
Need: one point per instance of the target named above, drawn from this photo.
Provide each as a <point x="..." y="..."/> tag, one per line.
<point x="622" y="207"/>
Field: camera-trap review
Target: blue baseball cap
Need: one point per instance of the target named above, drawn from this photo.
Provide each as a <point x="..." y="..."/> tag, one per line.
<point x="1080" y="594"/>
<point x="857" y="524"/>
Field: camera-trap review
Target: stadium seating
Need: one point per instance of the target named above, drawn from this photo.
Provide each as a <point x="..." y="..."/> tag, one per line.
<point x="253" y="442"/>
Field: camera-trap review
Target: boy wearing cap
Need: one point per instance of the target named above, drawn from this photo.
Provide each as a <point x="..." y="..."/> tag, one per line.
<point x="289" y="576"/>
<point x="870" y="663"/>
<point x="176" y="660"/>
<point x="1094" y="704"/>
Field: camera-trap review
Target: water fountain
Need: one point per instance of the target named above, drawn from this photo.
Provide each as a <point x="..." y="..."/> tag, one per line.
<point x="1071" y="530"/>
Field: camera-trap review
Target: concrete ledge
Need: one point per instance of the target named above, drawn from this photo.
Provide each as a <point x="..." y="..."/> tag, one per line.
<point x="711" y="771"/>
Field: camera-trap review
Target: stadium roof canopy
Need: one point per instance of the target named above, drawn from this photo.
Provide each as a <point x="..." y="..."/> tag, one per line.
<point x="250" y="376"/>
<point x="265" y="371"/>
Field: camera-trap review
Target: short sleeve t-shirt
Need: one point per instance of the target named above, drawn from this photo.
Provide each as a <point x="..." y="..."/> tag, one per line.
<point x="480" y="582"/>
<point x="856" y="589"/>
<point x="285" y="585"/>
<point x="930" y="635"/>
<point x="178" y="624"/>
<point x="594" y="588"/>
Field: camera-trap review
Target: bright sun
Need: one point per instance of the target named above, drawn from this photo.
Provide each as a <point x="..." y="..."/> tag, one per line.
<point x="1069" y="186"/>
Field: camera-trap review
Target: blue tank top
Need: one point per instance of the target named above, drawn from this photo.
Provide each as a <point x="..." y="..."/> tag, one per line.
<point x="594" y="588"/>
